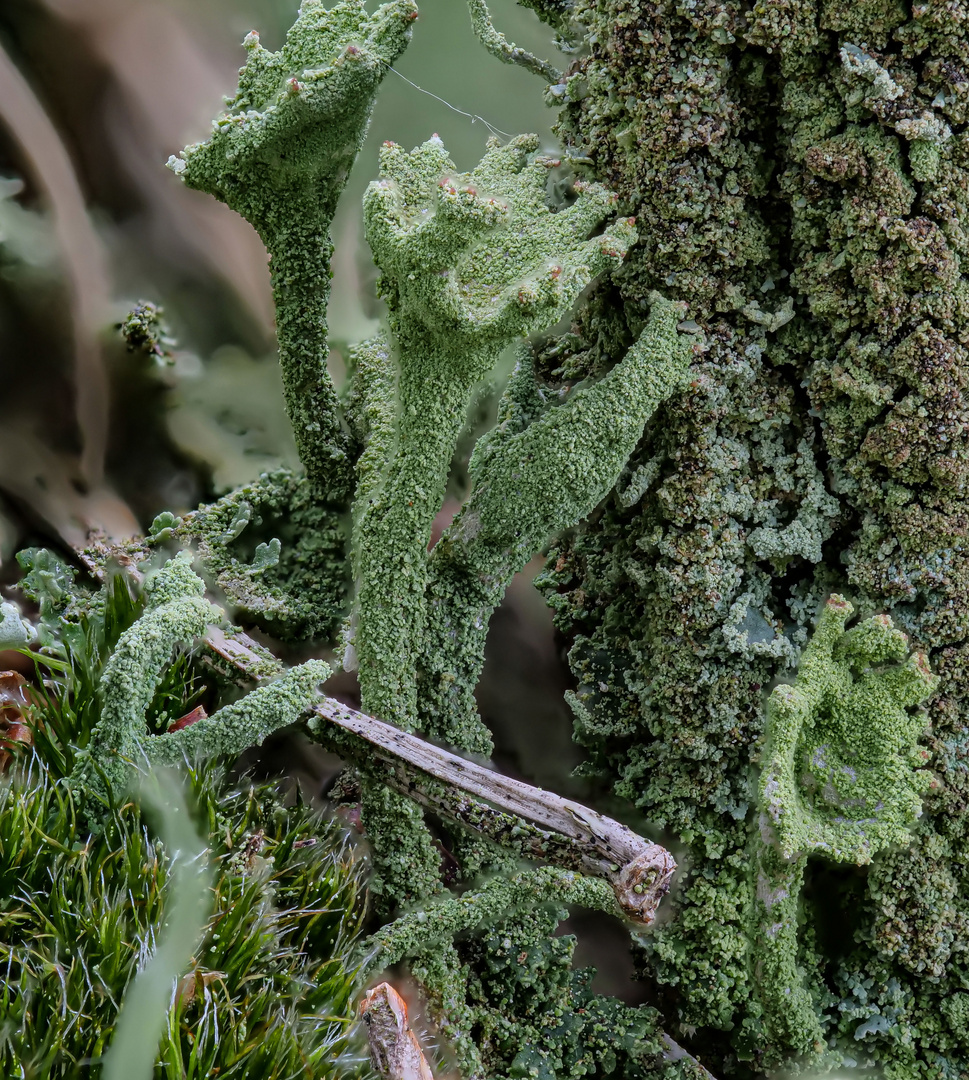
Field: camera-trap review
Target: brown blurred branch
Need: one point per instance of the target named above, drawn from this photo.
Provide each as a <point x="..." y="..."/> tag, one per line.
<point x="84" y="259"/>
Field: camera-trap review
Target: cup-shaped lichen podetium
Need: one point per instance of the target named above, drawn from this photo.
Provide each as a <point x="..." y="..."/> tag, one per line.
<point x="175" y="614"/>
<point x="841" y="778"/>
<point x="540" y="470"/>
<point x="280" y="155"/>
<point x="469" y="262"/>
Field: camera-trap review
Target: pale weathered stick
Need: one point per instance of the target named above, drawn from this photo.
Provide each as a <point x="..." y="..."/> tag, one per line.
<point x="639" y="871"/>
<point x="534" y="822"/>
<point x="395" y="1050"/>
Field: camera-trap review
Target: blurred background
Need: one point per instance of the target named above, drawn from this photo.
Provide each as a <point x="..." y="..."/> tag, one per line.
<point x="97" y="94"/>
<point x="94" y="97"/>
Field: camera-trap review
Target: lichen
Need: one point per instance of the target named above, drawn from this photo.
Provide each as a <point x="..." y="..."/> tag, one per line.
<point x="841" y="778"/>
<point x="841" y="773"/>
<point x="280" y="155"/>
<point x="537" y="472"/>
<point x="532" y="1014"/>
<point x="469" y="263"/>
<point x="277" y="552"/>
<point x="798" y="175"/>
<point x="175" y="614"/>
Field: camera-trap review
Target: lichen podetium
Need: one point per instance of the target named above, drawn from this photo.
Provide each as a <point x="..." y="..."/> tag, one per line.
<point x="470" y="263"/>
<point x="843" y="778"/>
<point x="280" y="156"/>
<point x="175" y="615"/>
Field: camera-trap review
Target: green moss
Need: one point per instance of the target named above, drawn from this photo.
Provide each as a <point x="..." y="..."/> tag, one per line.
<point x="268" y="991"/>
<point x="79" y="914"/>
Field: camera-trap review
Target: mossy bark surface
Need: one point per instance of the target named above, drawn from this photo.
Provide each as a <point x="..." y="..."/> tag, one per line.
<point x="798" y="176"/>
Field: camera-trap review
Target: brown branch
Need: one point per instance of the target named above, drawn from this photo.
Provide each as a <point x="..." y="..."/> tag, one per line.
<point x="83" y="253"/>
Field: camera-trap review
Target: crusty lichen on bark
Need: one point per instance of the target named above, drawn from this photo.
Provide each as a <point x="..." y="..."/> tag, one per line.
<point x="797" y="172"/>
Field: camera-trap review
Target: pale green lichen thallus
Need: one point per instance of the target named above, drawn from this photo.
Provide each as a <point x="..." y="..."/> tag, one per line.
<point x="280" y="156"/>
<point x="176" y="615"/>
<point x="469" y="263"/>
<point x="842" y="778"/>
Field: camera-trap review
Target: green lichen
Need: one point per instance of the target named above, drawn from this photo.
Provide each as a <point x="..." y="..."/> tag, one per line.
<point x="841" y="778"/>
<point x="244" y="724"/>
<point x="280" y="155"/>
<point x="841" y="771"/>
<point x="444" y="920"/>
<point x="537" y="472"/>
<point x="276" y="551"/>
<point x="176" y="613"/>
<point x="798" y="176"/>
<point x="531" y="1013"/>
<point x="496" y="43"/>
<point x="469" y="263"/>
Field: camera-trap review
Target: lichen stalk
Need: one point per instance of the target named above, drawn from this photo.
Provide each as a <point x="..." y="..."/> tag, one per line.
<point x="280" y="156"/>
<point x="469" y="263"/>
<point x="415" y="932"/>
<point x="842" y="778"/>
<point x="176" y="615"/>
<point x="792" y="1020"/>
<point x="300" y="274"/>
<point x="395" y="529"/>
<point x="533" y="476"/>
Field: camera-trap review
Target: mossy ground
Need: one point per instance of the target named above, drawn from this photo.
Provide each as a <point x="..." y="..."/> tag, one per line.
<point x="269" y="990"/>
